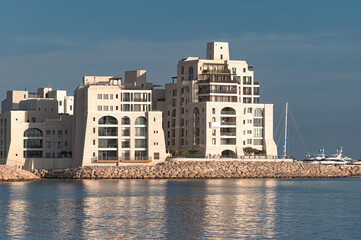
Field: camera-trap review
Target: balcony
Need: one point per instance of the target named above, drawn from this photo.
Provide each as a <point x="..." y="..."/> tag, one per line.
<point x="121" y="159"/>
<point x="208" y="80"/>
<point x="226" y="123"/>
<point x="234" y="91"/>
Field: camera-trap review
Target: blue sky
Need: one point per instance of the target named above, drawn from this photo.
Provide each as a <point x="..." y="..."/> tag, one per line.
<point x="305" y="52"/>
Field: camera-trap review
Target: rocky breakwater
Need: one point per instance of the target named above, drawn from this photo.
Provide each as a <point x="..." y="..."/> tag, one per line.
<point x="204" y="169"/>
<point x="10" y="173"/>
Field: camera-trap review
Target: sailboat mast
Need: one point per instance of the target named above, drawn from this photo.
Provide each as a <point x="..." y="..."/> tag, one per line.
<point x="285" y="146"/>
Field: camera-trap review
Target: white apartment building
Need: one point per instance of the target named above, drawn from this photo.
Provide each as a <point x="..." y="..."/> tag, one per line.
<point x="215" y="107"/>
<point x="36" y="129"/>
<point x="115" y="123"/>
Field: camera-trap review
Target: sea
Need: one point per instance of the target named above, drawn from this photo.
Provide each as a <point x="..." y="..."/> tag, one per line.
<point x="182" y="209"/>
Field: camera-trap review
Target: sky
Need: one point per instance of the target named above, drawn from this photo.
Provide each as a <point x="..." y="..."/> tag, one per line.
<point x="306" y="53"/>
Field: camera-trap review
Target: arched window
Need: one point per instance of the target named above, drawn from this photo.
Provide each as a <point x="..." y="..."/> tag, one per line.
<point x="33" y="132"/>
<point x="125" y="121"/>
<point x="190" y="73"/>
<point x="228" y="111"/>
<point x="213" y="119"/>
<point x="258" y="112"/>
<point x="141" y="121"/>
<point x="107" y="120"/>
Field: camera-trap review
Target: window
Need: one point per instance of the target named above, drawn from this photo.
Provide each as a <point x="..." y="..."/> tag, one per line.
<point x="60" y="145"/>
<point x="244" y="69"/>
<point x="190" y="73"/>
<point x="108" y="120"/>
<point x="140" y="143"/>
<point x="221" y="56"/>
<point x="213" y="111"/>
<point x="111" y="96"/>
<point x="60" y="133"/>
<point x="258" y="132"/>
<point x="60" y="103"/>
<point x="156" y="155"/>
<point x="258" y="112"/>
<point x="258" y="141"/>
<point x="66" y="132"/>
<point x="48" y="133"/>
<point x="234" y="70"/>
<point x="258" y="122"/>
<point x="33" y="132"/>
<point x="105" y="108"/>
<point x="182" y="70"/>
<point x="48" y="145"/>
<point x="100" y="108"/>
<point x="105" y="96"/>
<point x="116" y="96"/>
<point x="141" y="121"/>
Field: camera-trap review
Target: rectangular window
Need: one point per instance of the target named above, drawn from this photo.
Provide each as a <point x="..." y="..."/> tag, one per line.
<point x="60" y="145"/>
<point x="100" y="96"/>
<point x="60" y="133"/>
<point x="48" y="145"/>
<point x="258" y="132"/>
<point x="140" y="143"/>
<point x="100" y="108"/>
<point x="258" y="141"/>
<point x="156" y="155"/>
<point x="111" y="108"/>
<point x="105" y="108"/>
<point x="111" y="96"/>
<point x="258" y="122"/>
<point x="65" y="143"/>
<point x="105" y="96"/>
<point x="48" y="132"/>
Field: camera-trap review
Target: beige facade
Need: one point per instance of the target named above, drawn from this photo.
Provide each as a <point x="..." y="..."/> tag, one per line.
<point x="115" y="123"/>
<point x="214" y="107"/>
<point x="36" y="129"/>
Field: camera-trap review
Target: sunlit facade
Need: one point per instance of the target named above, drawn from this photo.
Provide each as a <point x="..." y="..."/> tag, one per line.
<point x="215" y="107"/>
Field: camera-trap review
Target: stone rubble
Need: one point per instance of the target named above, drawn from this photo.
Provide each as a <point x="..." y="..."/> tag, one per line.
<point x="205" y="169"/>
<point x="10" y="173"/>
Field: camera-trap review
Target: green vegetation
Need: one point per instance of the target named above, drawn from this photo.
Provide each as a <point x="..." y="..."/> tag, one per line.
<point x="184" y="153"/>
<point x="252" y="151"/>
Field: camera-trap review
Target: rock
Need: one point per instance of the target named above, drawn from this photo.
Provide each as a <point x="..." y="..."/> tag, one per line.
<point x="10" y="173"/>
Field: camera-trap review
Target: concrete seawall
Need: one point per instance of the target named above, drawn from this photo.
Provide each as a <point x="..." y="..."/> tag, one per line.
<point x="10" y="173"/>
<point x="205" y="169"/>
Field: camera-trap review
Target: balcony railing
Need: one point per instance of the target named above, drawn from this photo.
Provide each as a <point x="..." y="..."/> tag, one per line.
<point x="142" y="159"/>
<point x="228" y="133"/>
<point x="223" y="112"/>
<point x="208" y="80"/>
<point x="218" y="91"/>
<point x="228" y="123"/>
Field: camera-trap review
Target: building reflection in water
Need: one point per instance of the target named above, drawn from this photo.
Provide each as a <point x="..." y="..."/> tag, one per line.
<point x="14" y="225"/>
<point x="122" y="209"/>
<point x="241" y="208"/>
<point x="218" y="208"/>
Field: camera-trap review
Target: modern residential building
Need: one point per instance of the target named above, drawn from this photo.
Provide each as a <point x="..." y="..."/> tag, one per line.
<point x="36" y="129"/>
<point x="214" y="106"/>
<point x="114" y="121"/>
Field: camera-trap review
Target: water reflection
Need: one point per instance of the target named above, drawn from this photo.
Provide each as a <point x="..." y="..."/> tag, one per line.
<point x="177" y="209"/>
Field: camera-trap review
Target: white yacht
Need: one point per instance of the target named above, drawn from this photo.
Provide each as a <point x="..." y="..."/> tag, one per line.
<point x="333" y="160"/>
<point x="315" y="158"/>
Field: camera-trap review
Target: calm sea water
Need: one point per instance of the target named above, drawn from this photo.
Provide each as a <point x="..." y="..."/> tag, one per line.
<point x="181" y="209"/>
